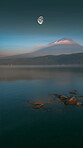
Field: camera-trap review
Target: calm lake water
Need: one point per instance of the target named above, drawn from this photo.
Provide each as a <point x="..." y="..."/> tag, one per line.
<point x="21" y="126"/>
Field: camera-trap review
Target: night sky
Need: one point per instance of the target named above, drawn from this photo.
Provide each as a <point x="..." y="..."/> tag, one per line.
<point x="20" y="32"/>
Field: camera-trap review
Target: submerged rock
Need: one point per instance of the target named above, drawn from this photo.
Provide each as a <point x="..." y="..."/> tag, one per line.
<point x="62" y="97"/>
<point x="71" y="101"/>
<point x="37" y="106"/>
<point x="47" y="109"/>
<point x="79" y="104"/>
<point x="80" y="97"/>
<point x="73" y="92"/>
<point x="56" y="99"/>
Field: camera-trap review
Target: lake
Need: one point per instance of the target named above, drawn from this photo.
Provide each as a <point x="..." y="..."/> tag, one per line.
<point x="21" y="126"/>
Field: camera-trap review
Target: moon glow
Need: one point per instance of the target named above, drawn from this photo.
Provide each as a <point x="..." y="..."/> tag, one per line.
<point x="40" y="20"/>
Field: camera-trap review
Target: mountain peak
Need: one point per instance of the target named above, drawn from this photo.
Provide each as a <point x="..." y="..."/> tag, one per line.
<point x="63" y="41"/>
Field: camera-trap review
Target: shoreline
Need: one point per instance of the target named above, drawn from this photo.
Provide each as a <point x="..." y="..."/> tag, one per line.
<point x="41" y="66"/>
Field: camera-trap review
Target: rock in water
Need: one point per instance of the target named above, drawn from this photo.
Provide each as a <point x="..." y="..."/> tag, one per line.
<point x="79" y="104"/>
<point x="73" y="92"/>
<point x="71" y="101"/>
<point x="62" y="97"/>
<point x="37" y="106"/>
<point x="80" y="97"/>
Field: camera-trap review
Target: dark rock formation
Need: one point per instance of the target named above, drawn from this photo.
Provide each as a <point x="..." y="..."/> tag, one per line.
<point x="73" y="92"/>
<point x="71" y="101"/>
<point x="79" y="104"/>
<point x="37" y="106"/>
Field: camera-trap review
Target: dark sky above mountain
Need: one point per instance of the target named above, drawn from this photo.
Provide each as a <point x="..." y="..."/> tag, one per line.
<point x="19" y="28"/>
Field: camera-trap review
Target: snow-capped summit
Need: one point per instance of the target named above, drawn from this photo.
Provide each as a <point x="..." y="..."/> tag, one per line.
<point x="63" y="41"/>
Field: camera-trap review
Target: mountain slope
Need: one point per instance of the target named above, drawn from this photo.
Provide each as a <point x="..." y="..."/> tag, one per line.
<point x="70" y="59"/>
<point x="63" y="46"/>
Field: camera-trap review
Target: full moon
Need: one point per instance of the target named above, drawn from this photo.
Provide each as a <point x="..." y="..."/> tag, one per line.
<point x="40" y="20"/>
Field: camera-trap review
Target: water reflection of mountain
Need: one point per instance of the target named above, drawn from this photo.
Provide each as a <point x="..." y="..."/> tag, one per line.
<point x="59" y="73"/>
